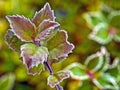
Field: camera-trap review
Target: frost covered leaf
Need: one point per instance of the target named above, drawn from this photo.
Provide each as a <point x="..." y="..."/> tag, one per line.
<point x="22" y="27"/>
<point x="33" y="56"/>
<point x="55" y="79"/>
<point x="44" y="13"/>
<point x="98" y="61"/>
<point x="114" y="68"/>
<point x="6" y="82"/>
<point x="105" y="58"/>
<point x="12" y="41"/>
<point x="106" y="81"/>
<point x="58" y="46"/>
<point x="114" y="18"/>
<point x="94" y="18"/>
<point x="94" y="62"/>
<point x="45" y="28"/>
<point x="36" y="69"/>
<point x="101" y="34"/>
<point x="78" y="71"/>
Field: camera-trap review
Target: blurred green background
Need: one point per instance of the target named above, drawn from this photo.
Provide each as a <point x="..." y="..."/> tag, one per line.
<point x="69" y="13"/>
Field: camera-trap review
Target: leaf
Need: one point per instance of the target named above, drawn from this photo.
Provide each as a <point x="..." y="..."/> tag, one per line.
<point x="98" y="61"/>
<point x="114" y="19"/>
<point x="86" y="85"/>
<point x="117" y="36"/>
<point x="100" y="34"/>
<point x="6" y="82"/>
<point x="12" y="41"/>
<point x="55" y="79"/>
<point x="94" y="62"/>
<point x="33" y="57"/>
<point x="94" y="18"/>
<point x="114" y="68"/>
<point x="58" y="46"/>
<point x="105" y="58"/>
<point x="23" y="28"/>
<point x="78" y="71"/>
<point x="36" y="69"/>
<point x="106" y="81"/>
<point x="45" y="28"/>
<point x="44" y="13"/>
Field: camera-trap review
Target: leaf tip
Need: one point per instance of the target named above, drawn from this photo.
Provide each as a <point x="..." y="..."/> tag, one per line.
<point x="47" y="6"/>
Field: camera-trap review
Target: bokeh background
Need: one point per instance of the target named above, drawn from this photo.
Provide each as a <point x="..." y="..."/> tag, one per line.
<point x="69" y="13"/>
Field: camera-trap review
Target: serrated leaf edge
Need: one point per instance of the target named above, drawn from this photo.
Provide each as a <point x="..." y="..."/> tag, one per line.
<point x="93" y="36"/>
<point x="23" y="18"/>
<point x="60" y="80"/>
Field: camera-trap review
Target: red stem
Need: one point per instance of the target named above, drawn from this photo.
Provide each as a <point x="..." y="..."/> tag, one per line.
<point x="48" y="66"/>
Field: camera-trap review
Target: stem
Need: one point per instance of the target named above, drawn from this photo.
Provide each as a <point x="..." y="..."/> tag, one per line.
<point x="37" y="43"/>
<point x="58" y="87"/>
<point x="47" y="65"/>
<point x="90" y="75"/>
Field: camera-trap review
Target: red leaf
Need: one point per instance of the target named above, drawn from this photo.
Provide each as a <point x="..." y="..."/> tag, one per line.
<point x="23" y="28"/>
<point x="45" y="28"/>
<point x="44" y="13"/>
<point x="58" y="46"/>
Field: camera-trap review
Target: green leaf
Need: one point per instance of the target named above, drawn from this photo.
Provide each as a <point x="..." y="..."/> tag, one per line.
<point x="94" y="62"/>
<point x="100" y="34"/>
<point x="77" y="71"/>
<point x="23" y="28"/>
<point x="45" y="29"/>
<point x="12" y="41"/>
<point x="114" y="69"/>
<point x="32" y="56"/>
<point x="56" y="78"/>
<point x="44" y="13"/>
<point x="6" y="82"/>
<point x="58" y="46"/>
<point x="98" y="61"/>
<point x="86" y="85"/>
<point x="94" y="18"/>
<point x="117" y="36"/>
<point x="105" y="58"/>
<point x="114" y="22"/>
<point x="36" y="69"/>
<point x="114" y="19"/>
<point x="106" y="81"/>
